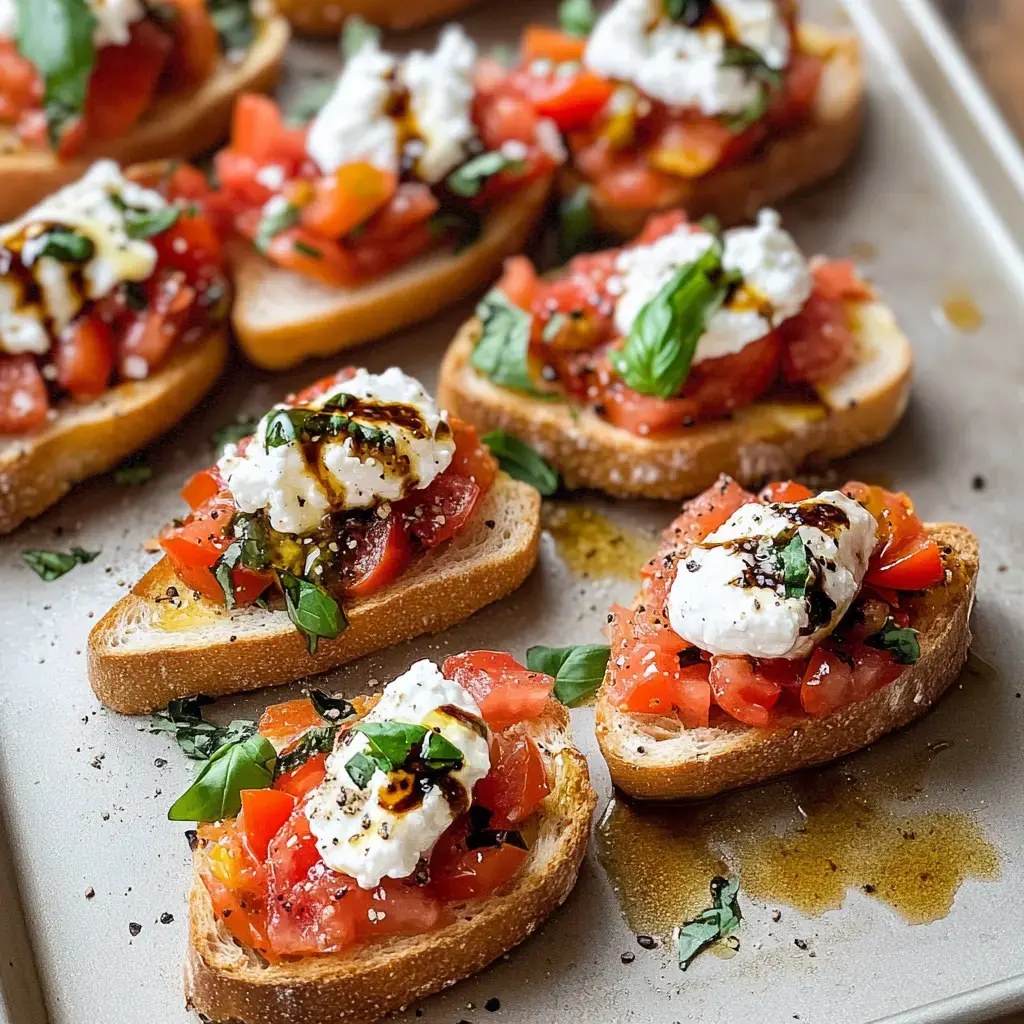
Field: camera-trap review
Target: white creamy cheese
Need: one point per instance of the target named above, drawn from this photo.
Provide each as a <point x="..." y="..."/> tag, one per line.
<point x="359" y="836"/>
<point x="777" y="281"/>
<point x="729" y="594"/>
<point x="349" y="476"/>
<point x="91" y="207"/>
<point x="114" y="19"/>
<point x="634" y="41"/>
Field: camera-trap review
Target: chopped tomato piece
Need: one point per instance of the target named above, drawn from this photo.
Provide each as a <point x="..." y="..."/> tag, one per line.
<point x="650" y="681"/>
<point x="818" y="343"/>
<point x="284" y="723"/>
<point x="694" y="146"/>
<point x="313" y="256"/>
<point x="85" y="358"/>
<point x="519" y="282"/>
<point x="190" y="245"/>
<point x="202" y="486"/>
<point x="838" y="280"/>
<point x="472" y="459"/>
<point x="348" y="198"/>
<point x="506" y="691"/>
<point x="796" y="101"/>
<point x="24" y="403"/>
<point x="787" y="492"/>
<point x="382" y="552"/>
<point x="571" y="101"/>
<point x="703" y="515"/>
<point x="264" y="812"/>
<point x="542" y="43"/>
<point x="459" y="873"/>
<point x="440" y="511"/>
<point x="743" y="692"/>
<point x="827" y="683"/>
<point x="517" y="782"/>
<point x="197" y="44"/>
<point x="258" y="130"/>
<point x="302" y="780"/>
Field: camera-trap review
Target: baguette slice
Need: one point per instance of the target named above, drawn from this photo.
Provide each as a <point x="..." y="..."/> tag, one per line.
<point x="175" y="127"/>
<point x="281" y="318"/>
<point x="784" y="165"/>
<point x="770" y="438"/>
<point x="149" y="649"/>
<point x="325" y="17"/>
<point x="225" y="982"/>
<point x="91" y="438"/>
<point x="653" y="758"/>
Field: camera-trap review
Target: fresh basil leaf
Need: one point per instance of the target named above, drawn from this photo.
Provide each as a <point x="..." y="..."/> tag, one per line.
<point x="467" y="181"/>
<point x="281" y="217"/>
<point x="310" y="102"/>
<point x="140" y="224"/>
<point x="901" y="642"/>
<point x="314" y="612"/>
<point x="795" y="567"/>
<point x="51" y="565"/>
<point x="711" y="925"/>
<point x="198" y="738"/>
<point x="67" y="246"/>
<point x="576" y="230"/>
<point x="133" y="472"/>
<point x="577" y="671"/>
<point x="318" y="740"/>
<point x="770" y="79"/>
<point x="356" y="34"/>
<point x="216" y="792"/>
<point x="577" y="17"/>
<point x="521" y="462"/>
<point x="501" y="352"/>
<point x="658" y="353"/>
<point x="251" y="533"/>
<point x="396" y="742"/>
<point x="232" y="433"/>
<point x="331" y="709"/>
<point x="223" y="570"/>
<point x="281" y="428"/>
<point x="235" y="24"/>
<point x="442" y="755"/>
<point x="56" y="37"/>
<point x="308" y="250"/>
<point x="688" y="12"/>
<point x="360" y="769"/>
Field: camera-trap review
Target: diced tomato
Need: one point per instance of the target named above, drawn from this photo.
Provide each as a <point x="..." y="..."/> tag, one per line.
<point x="786" y="491"/>
<point x="313" y="256"/>
<point x="472" y="459"/>
<point x="519" y="282"/>
<point x="796" y="101"/>
<point x="440" y="511"/>
<point x="85" y="358"/>
<point x="187" y="183"/>
<point x="742" y="692"/>
<point x="264" y="812"/>
<point x="396" y="907"/>
<point x="124" y="81"/>
<point x="517" y="782"/>
<point x="506" y="691"/>
<point x="258" y="130"/>
<point x="236" y="173"/>
<point x="348" y="198"/>
<point x="190" y="245"/>
<point x="571" y="101"/>
<point x="818" y="343"/>
<point x="648" y="679"/>
<point x="705" y="514"/>
<point x="302" y="780"/>
<point x="149" y="334"/>
<point x="540" y="42"/>
<point x="24" y="403"/>
<point x="459" y="873"/>
<point x="196" y="44"/>
<point x="383" y="551"/>
<point x="838" y="280"/>
<point x="827" y="683"/>
<point x="202" y="486"/>
<point x="21" y="87"/>
<point x="693" y="146"/>
<point x="284" y="723"/>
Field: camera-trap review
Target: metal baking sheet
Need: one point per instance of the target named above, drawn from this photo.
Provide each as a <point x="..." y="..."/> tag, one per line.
<point x="933" y="209"/>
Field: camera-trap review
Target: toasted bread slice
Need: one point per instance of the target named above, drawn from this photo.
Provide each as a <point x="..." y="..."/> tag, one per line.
<point x="325" y="17"/>
<point x="225" y="982"/>
<point x="281" y="318"/>
<point x="655" y="758"/>
<point x="151" y="647"/>
<point x="86" y="439"/>
<point x="784" y="165"/>
<point x="179" y="126"/>
<point x="770" y="438"/>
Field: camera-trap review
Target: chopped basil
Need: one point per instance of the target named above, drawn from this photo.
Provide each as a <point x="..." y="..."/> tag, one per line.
<point x="234" y="22"/>
<point x="280" y="430"/>
<point x="314" y="612"/>
<point x="360" y="769"/>
<point x="521" y="462"/>
<point x="135" y="296"/>
<point x="51" y="565"/>
<point x="658" y="353"/>
<point x="232" y="433"/>
<point x="310" y="102"/>
<point x="577" y="670"/>
<point x="576" y="231"/>
<point x="467" y="181"/>
<point x="330" y="709"/>
<point x="318" y="740"/>
<point x="67" y="246"/>
<point x="285" y="426"/>
<point x="795" y="567"/>
<point x="465" y="227"/>
<point x="223" y="570"/>
<point x="282" y="217"/>
<point x="133" y="472"/>
<point x="722" y="919"/>
<point x="356" y="34"/>
<point x="308" y="250"/>
<point x="442" y="755"/>
<point x="395" y="742"/>
<point x="901" y="642"/>
<point x="769" y="79"/>
<point x="688" y="12"/>
<point x="140" y="224"/>
<point x="216" y="792"/>
<point x="56" y="37"/>
<point x="198" y="739"/>
<point x="577" y="17"/>
<point x="501" y="351"/>
<point x="251" y="534"/>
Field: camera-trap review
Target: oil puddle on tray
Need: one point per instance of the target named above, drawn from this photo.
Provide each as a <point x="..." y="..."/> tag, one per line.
<point x="804" y="841"/>
<point x="593" y="545"/>
<point x="961" y="312"/>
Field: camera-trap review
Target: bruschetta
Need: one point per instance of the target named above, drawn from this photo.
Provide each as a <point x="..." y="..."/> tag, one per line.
<point x="404" y="193"/>
<point x="474" y="813"/>
<point x="113" y="311"/>
<point x="716" y="106"/>
<point x="357" y="516"/>
<point x="779" y="631"/>
<point x="326" y="17"/>
<point x="125" y="80"/>
<point x="648" y="370"/>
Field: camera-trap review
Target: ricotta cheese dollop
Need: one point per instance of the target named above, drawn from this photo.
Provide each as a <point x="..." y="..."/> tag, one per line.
<point x="347" y="473"/>
<point x="635" y="41"/>
<point x="777" y="281"/>
<point x="729" y="596"/>
<point x="356" y="831"/>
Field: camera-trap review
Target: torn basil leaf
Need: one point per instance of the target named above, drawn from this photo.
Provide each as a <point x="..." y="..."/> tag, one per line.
<point x="395" y="742"/>
<point x="330" y="709"/>
<point x="501" y="352"/>
<point x="67" y="246"/>
<point x="235" y="24"/>
<point x="577" y="670"/>
<point x="315" y="614"/>
<point x="795" y="567"/>
<point x="51" y="565"/>
<point x="522" y="462"/>
<point x="310" y="102"/>
<point x="467" y="181"/>
<point x="577" y="17"/>
<point x="688" y="12"/>
<point x="216" y="792"/>
<point x="281" y="217"/>
<point x="318" y="740"/>
<point x="197" y="738"/>
<point x="360" y="769"/>
<point x="722" y="919"/>
<point x="223" y="570"/>
<point x="442" y="755"/>
<point x="141" y="224"/>
<point x="901" y="642"/>
<point x="770" y="81"/>
<point x="356" y="34"/>
<point x="576" y="230"/>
